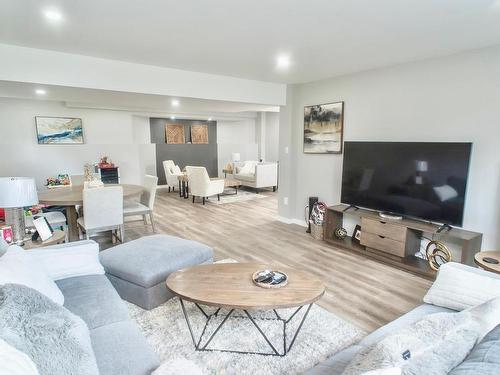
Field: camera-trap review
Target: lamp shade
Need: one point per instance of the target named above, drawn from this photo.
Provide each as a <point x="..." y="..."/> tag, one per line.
<point x="422" y="166"/>
<point x="17" y="192"/>
<point x="235" y="156"/>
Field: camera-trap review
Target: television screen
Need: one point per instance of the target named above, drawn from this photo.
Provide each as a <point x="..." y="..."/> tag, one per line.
<point x="415" y="179"/>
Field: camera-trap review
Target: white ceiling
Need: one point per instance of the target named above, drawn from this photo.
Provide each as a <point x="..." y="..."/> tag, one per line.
<point x="242" y="38"/>
<point x="132" y="102"/>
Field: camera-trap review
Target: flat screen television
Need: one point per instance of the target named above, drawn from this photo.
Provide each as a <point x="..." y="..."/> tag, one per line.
<point x="424" y="180"/>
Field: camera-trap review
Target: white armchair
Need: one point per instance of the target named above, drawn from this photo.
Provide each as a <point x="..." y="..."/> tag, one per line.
<point x="200" y="184"/>
<point x="256" y="175"/>
<point x="172" y="172"/>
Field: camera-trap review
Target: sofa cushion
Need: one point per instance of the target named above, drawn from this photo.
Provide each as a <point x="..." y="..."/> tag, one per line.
<point x="148" y="261"/>
<point x="245" y="177"/>
<point x="336" y="364"/>
<point x="94" y="299"/>
<point x="120" y="348"/>
<point x="484" y="359"/>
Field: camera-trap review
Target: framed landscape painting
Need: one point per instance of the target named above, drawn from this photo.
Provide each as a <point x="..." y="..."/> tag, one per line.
<point x="323" y="128"/>
<point x="59" y="130"/>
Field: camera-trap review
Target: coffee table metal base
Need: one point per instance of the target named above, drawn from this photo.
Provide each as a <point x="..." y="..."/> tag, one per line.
<point x="275" y="352"/>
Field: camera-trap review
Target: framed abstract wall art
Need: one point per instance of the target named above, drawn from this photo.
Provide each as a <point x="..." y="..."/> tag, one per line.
<point x="59" y="130"/>
<point x="323" y="128"/>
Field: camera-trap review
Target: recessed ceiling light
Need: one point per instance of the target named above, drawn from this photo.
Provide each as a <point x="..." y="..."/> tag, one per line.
<point x="175" y="102"/>
<point x="210" y="119"/>
<point x="283" y="62"/>
<point x="172" y="117"/>
<point x="53" y="15"/>
<point x="40" y="92"/>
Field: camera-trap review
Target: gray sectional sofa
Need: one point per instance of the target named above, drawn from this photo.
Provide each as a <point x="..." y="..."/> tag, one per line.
<point x="119" y="346"/>
<point x="336" y="364"/>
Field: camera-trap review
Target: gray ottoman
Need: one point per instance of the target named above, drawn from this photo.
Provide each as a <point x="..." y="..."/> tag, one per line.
<point x="138" y="269"/>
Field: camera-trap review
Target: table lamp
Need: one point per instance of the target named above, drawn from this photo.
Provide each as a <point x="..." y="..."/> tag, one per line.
<point x="236" y="157"/>
<point x="15" y="194"/>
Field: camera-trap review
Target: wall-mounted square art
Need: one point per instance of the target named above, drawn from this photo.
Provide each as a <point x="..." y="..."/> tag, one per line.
<point x="59" y="130"/>
<point x="199" y="134"/>
<point x="174" y="134"/>
<point x="323" y="128"/>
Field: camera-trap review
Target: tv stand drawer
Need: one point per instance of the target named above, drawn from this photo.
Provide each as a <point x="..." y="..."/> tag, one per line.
<point x="385" y="244"/>
<point x="385" y="229"/>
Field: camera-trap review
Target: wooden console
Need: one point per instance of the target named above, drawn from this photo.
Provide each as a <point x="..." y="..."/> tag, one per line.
<point x="396" y="242"/>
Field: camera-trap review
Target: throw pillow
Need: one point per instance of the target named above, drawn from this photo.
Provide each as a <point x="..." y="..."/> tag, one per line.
<point x="56" y="340"/>
<point x="248" y="168"/>
<point x="445" y="192"/>
<point x="458" y="289"/>
<point x="15" y="362"/>
<point x="431" y="346"/>
<point x="484" y="358"/>
<point x="61" y="262"/>
<point x="17" y="268"/>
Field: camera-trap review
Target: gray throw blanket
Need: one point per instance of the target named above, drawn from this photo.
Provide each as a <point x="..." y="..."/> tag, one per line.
<point x="56" y="340"/>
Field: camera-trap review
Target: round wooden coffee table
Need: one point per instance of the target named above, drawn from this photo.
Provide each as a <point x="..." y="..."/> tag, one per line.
<point x="230" y="286"/>
<point x="479" y="260"/>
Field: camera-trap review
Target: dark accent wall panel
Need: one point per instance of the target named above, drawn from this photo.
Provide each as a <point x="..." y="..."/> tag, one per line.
<point x="185" y="154"/>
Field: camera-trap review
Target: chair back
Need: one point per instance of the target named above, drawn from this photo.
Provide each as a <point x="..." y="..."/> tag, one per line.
<point x="168" y="166"/>
<point x="198" y="180"/>
<point x="103" y="207"/>
<point x="149" y="194"/>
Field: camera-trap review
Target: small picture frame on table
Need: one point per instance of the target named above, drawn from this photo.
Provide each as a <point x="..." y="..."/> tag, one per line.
<point x="43" y="228"/>
<point x="356" y="234"/>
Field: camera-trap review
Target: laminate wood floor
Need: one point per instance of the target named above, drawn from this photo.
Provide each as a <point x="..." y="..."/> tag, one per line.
<point x="362" y="291"/>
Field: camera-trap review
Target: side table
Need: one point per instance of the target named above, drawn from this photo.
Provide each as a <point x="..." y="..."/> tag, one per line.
<point x="58" y="236"/>
<point x="479" y="260"/>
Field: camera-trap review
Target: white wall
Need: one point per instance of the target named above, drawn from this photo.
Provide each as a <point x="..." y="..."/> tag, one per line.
<point x="119" y="135"/>
<point x="448" y="99"/>
<point x="22" y="64"/>
<point x="272" y="136"/>
<point x="235" y="136"/>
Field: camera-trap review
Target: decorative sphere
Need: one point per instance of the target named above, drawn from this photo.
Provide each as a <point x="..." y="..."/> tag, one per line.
<point x="340" y="233"/>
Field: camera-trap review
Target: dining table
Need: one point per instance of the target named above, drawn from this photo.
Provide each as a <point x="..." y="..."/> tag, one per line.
<point x="72" y="196"/>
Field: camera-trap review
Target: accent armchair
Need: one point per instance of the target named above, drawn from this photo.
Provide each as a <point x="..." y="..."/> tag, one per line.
<point x="201" y="185"/>
<point x="172" y="172"/>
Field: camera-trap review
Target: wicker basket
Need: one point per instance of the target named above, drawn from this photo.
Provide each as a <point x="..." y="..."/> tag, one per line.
<point x="318" y="231"/>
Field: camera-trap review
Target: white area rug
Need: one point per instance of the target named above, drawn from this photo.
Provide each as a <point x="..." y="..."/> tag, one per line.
<point x="322" y="335"/>
<point x="242" y="196"/>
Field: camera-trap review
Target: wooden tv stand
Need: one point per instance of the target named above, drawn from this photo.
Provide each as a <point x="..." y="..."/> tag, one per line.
<point x="395" y="242"/>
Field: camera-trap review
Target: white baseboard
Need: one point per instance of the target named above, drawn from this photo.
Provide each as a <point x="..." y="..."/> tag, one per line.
<point x="292" y="221"/>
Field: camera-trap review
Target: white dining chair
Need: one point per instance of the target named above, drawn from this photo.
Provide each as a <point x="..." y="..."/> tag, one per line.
<point x="102" y="211"/>
<point x="200" y="184"/>
<point x="145" y="206"/>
